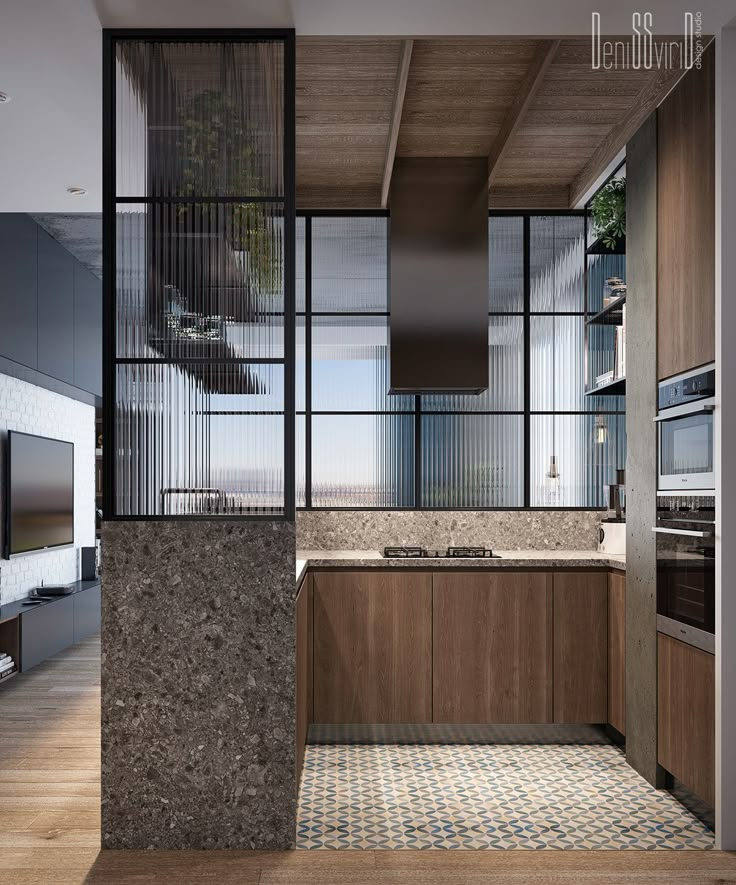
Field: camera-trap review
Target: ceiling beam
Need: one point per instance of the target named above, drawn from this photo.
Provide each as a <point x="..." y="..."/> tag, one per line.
<point x="402" y="76"/>
<point x="657" y="87"/>
<point x="530" y="85"/>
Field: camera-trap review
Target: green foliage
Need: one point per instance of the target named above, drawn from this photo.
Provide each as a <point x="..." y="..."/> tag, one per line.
<point x="608" y="209"/>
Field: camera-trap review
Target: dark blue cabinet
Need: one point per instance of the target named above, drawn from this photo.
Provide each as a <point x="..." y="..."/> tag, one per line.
<point x="87" y="330"/>
<point x="19" y="289"/>
<point x="55" y="309"/>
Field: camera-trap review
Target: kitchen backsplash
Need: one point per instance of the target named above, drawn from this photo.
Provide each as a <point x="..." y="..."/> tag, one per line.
<point x="500" y="529"/>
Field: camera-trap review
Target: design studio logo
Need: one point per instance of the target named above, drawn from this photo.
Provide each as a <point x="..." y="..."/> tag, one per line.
<point x="643" y="51"/>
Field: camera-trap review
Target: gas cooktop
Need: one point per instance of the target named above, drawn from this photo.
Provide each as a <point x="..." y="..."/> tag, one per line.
<point x="447" y="553"/>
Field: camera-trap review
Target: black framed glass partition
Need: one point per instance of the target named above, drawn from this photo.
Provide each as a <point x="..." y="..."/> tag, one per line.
<point x="533" y="439"/>
<point x="199" y="274"/>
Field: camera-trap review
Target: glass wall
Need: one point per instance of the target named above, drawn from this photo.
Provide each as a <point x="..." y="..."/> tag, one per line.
<point x="532" y="440"/>
<point x="202" y="246"/>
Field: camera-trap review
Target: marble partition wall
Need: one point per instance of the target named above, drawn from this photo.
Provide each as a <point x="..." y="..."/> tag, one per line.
<point x="501" y="530"/>
<point x="198" y="685"/>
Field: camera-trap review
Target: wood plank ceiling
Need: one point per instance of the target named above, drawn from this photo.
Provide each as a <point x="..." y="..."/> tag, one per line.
<point x="546" y="121"/>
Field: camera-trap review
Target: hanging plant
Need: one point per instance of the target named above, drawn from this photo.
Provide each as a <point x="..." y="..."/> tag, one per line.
<point x="608" y="211"/>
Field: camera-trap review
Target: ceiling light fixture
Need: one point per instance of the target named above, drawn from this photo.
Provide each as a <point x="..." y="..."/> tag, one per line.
<point x="4" y="98"/>
<point x="76" y="191"/>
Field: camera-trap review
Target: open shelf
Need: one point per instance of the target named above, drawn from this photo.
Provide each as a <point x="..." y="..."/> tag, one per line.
<point x="617" y="387"/>
<point x="611" y="315"/>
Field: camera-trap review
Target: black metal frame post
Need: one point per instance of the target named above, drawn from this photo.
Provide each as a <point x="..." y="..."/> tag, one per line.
<point x="111" y="360"/>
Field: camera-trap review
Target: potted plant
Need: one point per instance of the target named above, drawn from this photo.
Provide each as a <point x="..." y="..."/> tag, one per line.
<point x="608" y="211"/>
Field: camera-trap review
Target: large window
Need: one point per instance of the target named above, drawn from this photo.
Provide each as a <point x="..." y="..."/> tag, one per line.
<point x="532" y="440"/>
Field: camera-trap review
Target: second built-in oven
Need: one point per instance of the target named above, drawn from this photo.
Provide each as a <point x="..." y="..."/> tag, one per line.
<point x="685" y="433"/>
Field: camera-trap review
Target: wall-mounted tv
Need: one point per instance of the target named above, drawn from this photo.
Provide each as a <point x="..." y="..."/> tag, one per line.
<point x="39" y="493"/>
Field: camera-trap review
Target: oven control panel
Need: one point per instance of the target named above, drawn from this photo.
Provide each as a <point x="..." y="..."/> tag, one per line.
<point x="687" y="388"/>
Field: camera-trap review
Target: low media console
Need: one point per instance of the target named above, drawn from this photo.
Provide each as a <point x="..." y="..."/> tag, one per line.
<point x="52" y="625"/>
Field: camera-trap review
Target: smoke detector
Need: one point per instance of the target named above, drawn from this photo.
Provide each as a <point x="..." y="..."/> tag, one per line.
<point x="4" y="98"/>
<point x="76" y="191"/>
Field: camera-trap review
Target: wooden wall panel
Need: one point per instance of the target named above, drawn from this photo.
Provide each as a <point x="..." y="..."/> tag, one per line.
<point x="492" y="653"/>
<point x="686" y="223"/>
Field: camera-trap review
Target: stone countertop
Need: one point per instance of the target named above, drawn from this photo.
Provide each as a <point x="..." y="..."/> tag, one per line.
<point x="508" y="559"/>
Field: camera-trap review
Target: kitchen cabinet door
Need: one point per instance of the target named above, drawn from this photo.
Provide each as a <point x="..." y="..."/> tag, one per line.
<point x="492" y="651"/>
<point x="686" y="715"/>
<point x="581" y="647"/>
<point x="686" y="222"/>
<point x="372" y="646"/>
<point x="19" y="289"/>
<point x="55" y="309"/>
<point x="87" y="330"/>
<point x="617" y="651"/>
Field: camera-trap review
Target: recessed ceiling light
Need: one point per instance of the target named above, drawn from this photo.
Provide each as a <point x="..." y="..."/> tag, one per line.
<point x="4" y="98"/>
<point x="76" y="191"/>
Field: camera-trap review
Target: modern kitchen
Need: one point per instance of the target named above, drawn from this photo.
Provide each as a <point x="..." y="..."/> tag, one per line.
<point x="407" y="455"/>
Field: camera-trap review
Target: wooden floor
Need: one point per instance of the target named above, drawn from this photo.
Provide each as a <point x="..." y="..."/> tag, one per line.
<point x="50" y="819"/>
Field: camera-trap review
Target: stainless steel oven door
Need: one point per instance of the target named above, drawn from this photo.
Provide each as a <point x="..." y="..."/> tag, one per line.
<point x="686" y="576"/>
<point x="686" y="448"/>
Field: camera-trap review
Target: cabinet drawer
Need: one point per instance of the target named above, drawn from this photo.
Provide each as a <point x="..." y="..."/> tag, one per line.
<point x="46" y="630"/>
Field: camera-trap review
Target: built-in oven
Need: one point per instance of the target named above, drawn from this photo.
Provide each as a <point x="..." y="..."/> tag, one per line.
<point x="685" y="419"/>
<point x="685" y="541"/>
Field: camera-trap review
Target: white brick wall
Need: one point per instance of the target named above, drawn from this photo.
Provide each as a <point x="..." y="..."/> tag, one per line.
<point x="31" y="409"/>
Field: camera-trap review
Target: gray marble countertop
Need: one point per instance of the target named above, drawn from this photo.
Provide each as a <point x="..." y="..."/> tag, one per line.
<point x="508" y="559"/>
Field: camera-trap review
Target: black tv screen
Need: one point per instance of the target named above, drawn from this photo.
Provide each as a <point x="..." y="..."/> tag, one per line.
<point x="39" y="503"/>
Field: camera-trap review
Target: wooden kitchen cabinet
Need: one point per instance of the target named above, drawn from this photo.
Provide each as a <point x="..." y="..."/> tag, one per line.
<point x="686" y="715"/>
<point x="686" y="222"/>
<point x="617" y="651"/>
<point x="372" y="646"/>
<point x="492" y="650"/>
<point x="581" y="647"/>
<point x="304" y="670"/>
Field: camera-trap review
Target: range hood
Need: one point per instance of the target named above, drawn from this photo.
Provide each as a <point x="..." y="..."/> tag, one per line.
<point x="438" y="296"/>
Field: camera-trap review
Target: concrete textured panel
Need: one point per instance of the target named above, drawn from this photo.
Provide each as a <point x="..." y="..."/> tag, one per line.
<point x="641" y="465"/>
<point x="198" y="685"/>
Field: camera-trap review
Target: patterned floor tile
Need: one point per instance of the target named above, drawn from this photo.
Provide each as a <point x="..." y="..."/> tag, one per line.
<point x="486" y="796"/>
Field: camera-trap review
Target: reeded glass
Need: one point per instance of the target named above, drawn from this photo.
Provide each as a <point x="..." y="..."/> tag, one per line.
<point x="202" y="438"/>
<point x="472" y="461"/>
<point x="350" y="366"/>
<point x="350" y="265"/>
<point x="556" y="263"/>
<point x="202" y="119"/>
<point x="363" y="461"/>
<point x="588" y="449"/>
<point x="506" y="264"/>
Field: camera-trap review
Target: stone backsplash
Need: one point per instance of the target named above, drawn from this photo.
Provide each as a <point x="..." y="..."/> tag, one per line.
<point x="500" y="529"/>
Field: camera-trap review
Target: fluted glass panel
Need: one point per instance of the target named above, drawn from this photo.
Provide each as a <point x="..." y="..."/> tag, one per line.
<point x="600" y="269"/>
<point x="472" y="461"/>
<point x="300" y="365"/>
<point x="556" y="263"/>
<point x="199" y="119"/>
<point x="301" y="270"/>
<point x="300" y="452"/>
<point x="350" y="366"/>
<point x="350" y="265"/>
<point x="505" y="391"/>
<point x="587" y="450"/>
<point x="363" y="461"/>
<point x="505" y="264"/>
<point x="200" y="280"/>
<point x="557" y="364"/>
<point x="203" y="438"/>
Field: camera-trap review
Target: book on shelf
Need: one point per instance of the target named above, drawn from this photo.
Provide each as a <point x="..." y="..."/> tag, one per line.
<point x="9" y="672"/>
<point x="4" y="656"/>
<point x="7" y="665"/>
<point x="605" y="378"/>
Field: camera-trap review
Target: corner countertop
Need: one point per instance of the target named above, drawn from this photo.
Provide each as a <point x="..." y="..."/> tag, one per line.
<point x="508" y="559"/>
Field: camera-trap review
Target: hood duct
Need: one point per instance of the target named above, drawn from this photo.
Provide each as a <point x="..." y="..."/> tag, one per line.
<point x="439" y="276"/>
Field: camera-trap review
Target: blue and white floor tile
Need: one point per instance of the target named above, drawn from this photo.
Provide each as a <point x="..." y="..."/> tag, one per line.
<point x="485" y="796"/>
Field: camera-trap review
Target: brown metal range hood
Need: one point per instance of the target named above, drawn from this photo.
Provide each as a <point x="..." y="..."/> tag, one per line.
<point x="438" y="296"/>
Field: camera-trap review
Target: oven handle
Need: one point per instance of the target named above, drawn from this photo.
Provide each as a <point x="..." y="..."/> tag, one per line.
<point x="706" y="406"/>
<point x="686" y="532"/>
